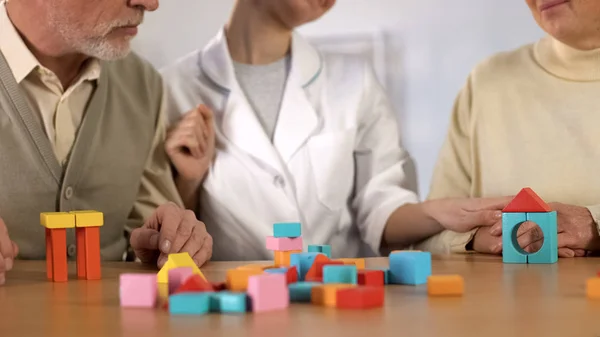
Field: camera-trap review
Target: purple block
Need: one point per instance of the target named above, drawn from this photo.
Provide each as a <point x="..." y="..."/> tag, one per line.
<point x="177" y="276"/>
<point x="268" y="292"/>
<point x="284" y="244"/>
<point x="138" y="290"/>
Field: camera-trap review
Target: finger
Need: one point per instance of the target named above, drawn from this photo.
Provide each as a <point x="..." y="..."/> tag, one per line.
<point x="534" y="246"/>
<point x="15" y="249"/>
<point x="194" y="243"/>
<point x="566" y="252"/>
<point x="2" y="278"/>
<point x="526" y="227"/>
<point x="166" y="218"/>
<point x="496" y="229"/>
<point x="565" y="240"/>
<point x="530" y="237"/>
<point x="144" y="238"/>
<point x="200" y="133"/>
<point x="184" y="231"/>
<point x="494" y="204"/>
<point x="2" y="264"/>
<point x="184" y="139"/>
<point x="208" y="116"/>
<point x="205" y="253"/>
<point x="5" y="245"/>
<point x="484" y="217"/>
<point x="580" y="252"/>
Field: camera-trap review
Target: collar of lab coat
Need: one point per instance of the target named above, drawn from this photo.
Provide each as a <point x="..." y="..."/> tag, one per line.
<point x="218" y="65"/>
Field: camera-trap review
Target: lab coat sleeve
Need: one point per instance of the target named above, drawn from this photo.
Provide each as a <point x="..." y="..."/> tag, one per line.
<point x="381" y="184"/>
<point x="452" y="175"/>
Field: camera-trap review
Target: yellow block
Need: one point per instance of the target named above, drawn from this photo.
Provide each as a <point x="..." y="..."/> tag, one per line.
<point x="445" y="285"/>
<point x="88" y="218"/>
<point x="237" y="279"/>
<point x="327" y="294"/>
<point x="593" y="288"/>
<point x="176" y="261"/>
<point x="55" y="220"/>
<point x="359" y="263"/>
<point x="282" y="258"/>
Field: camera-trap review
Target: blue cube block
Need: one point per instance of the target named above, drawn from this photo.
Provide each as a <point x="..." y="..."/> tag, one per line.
<point x="410" y="267"/>
<point x="302" y="262"/>
<point x="190" y="303"/>
<point x="229" y="302"/>
<point x="276" y="270"/>
<point x="511" y="250"/>
<point x="287" y="230"/>
<point x="340" y="274"/>
<point x="548" y="223"/>
<point x="325" y="249"/>
<point x="386" y="273"/>
<point x="301" y="291"/>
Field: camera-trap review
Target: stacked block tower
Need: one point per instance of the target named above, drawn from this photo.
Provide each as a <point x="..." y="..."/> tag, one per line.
<point x="286" y="240"/>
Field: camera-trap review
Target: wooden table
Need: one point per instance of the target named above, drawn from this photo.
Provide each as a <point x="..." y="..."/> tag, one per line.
<point x="500" y="300"/>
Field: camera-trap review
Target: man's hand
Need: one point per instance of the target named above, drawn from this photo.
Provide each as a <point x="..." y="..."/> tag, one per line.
<point x="191" y="145"/>
<point x="8" y="252"/>
<point x="170" y="230"/>
<point x="464" y="215"/>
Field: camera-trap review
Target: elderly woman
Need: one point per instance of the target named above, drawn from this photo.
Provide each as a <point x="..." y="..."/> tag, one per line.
<point x="530" y="117"/>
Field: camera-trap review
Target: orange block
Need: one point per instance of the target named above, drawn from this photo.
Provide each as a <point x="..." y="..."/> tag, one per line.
<point x="282" y="258"/>
<point x="593" y="288"/>
<point x="359" y="263"/>
<point x="445" y="285"/>
<point x="57" y="260"/>
<point x="327" y="294"/>
<point x="237" y="279"/>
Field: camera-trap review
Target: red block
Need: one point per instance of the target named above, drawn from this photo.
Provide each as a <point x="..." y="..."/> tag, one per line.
<point x="194" y="283"/>
<point x="360" y="298"/>
<point x="315" y="273"/>
<point x="56" y="268"/>
<point x="374" y="278"/>
<point x="291" y="275"/>
<point x="527" y="201"/>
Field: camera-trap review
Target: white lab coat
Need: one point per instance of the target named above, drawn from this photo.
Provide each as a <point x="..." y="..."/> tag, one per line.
<point x="335" y="163"/>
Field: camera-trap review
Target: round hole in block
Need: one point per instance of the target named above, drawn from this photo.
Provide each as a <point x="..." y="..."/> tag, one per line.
<point x="527" y="237"/>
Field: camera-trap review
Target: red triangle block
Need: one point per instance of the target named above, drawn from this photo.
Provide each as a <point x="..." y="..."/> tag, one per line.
<point x="194" y="283"/>
<point x="527" y="201"/>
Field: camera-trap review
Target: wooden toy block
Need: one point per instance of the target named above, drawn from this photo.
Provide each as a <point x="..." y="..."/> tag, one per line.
<point x="138" y="290"/>
<point x="359" y="263"/>
<point x="56" y="254"/>
<point x="445" y="285"/>
<point x="268" y="292"/>
<point x="57" y="220"/>
<point x="374" y="278"/>
<point x="189" y="303"/>
<point x="226" y="302"/>
<point x="301" y="291"/>
<point x="548" y="222"/>
<point x="326" y="294"/>
<point x="88" y="218"/>
<point x="315" y="273"/>
<point x="178" y="276"/>
<point x="593" y="288"/>
<point x="237" y="279"/>
<point x="193" y="284"/>
<point x="282" y="258"/>
<point x="527" y="201"/>
<point x="340" y="274"/>
<point x="410" y="267"/>
<point x="88" y="253"/>
<point x="511" y="251"/>
<point x="303" y="262"/>
<point x="287" y="230"/>
<point x="386" y="274"/>
<point x="284" y="244"/>
<point x="325" y="249"/>
<point x="252" y="267"/>
<point x="291" y="273"/>
<point x="360" y="298"/>
<point x="175" y="261"/>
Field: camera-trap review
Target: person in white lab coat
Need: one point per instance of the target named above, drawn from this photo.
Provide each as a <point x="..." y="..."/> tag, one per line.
<point x="296" y="136"/>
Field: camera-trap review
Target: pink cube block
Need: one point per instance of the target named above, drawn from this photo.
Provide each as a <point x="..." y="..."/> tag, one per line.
<point x="284" y="244"/>
<point x="138" y="290"/>
<point x="268" y="292"/>
<point x="177" y="276"/>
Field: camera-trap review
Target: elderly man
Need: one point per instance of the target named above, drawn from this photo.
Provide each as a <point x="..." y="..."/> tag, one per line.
<point x="530" y="118"/>
<point x="82" y="127"/>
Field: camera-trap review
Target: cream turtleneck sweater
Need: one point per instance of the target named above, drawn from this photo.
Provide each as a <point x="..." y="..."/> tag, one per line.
<point x="530" y="117"/>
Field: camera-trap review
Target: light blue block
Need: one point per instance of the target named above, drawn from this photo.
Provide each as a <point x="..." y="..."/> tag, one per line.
<point x="276" y="270"/>
<point x="340" y="274"/>
<point x="229" y="302"/>
<point x="409" y="267"/>
<point x="302" y="262"/>
<point x="386" y="274"/>
<point x="549" y="225"/>
<point x="511" y="251"/>
<point x="325" y="249"/>
<point x="287" y="230"/>
<point x="190" y="303"/>
<point x="301" y="291"/>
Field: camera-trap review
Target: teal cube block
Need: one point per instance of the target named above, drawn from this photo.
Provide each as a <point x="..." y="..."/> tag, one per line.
<point x="301" y="291"/>
<point x="190" y="303"/>
<point x="302" y="262"/>
<point x="287" y="230"/>
<point x="511" y="251"/>
<point x="548" y="222"/>
<point x="340" y="274"/>
<point x="325" y="249"/>
<point x="229" y="302"/>
<point x="409" y="267"/>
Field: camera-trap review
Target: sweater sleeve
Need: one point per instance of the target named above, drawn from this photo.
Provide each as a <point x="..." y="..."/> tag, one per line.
<point x="452" y="176"/>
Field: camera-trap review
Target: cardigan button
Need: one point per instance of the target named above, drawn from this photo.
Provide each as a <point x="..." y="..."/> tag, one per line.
<point x="68" y="192"/>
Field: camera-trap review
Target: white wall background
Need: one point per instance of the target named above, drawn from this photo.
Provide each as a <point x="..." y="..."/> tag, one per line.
<point x="433" y="45"/>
